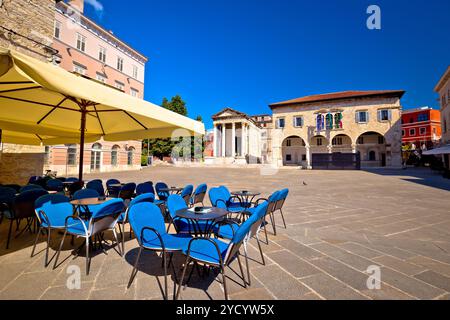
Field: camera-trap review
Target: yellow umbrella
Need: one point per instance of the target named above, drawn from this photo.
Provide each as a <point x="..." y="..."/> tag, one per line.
<point x="56" y="106"/>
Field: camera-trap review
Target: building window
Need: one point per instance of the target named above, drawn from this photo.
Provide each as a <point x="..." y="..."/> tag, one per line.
<point x="372" y="156"/>
<point x="280" y="123"/>
<point x="288" y="157"/>
<point x="319" y="141"/>
<point x="120" y="64"/>
<point x="72" y="155"/>
<point x="384" y="115"/>
<point x="338" y="120"/>
<point x="380" y="139"/>
<point x="81" y="42"/>
<point x="362" y="116"/>
<point x="360" y="140"/>
<point x="78" y="68"/>
<point x="134" y="93"/>
<point x="329" y="121"/>
<point x="422" y="131"/>
<point x="403" y="132"/>
<point x="337" y="141"/>
<point x="298" y="122"/>
<point x="96" y="156"/>
<point x="135" y="71"/>
<point x="57" y="30"/>
<point x="303" y="157"/>
<point x="130" y="154"/>
<point x="422" y="117"/>
<point x="100" y="77"/>
<point x="114" y="155"/>
<point x="102" y="54"/>
<point x="288" y="143"/>
<point x="119" y="85"/>
<point x="412" y="132"/>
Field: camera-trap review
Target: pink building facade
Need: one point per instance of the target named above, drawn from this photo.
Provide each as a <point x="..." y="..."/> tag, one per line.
<point x="87" y="49"/>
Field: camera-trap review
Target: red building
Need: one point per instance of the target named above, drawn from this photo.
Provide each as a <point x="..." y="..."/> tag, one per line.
<point x="422" y="125"/>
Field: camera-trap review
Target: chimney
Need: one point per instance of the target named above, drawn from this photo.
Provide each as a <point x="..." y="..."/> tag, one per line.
<point x="77" y="4"/>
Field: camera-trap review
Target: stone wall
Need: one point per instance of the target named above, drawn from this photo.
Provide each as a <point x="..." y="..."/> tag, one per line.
<point x="33" y="19"/>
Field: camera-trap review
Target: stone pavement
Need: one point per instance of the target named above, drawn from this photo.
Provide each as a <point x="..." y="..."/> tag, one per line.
<point x="339" y="224"/>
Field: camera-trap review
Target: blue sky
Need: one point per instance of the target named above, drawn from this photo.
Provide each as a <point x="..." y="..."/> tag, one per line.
<point x="246" y="54"/>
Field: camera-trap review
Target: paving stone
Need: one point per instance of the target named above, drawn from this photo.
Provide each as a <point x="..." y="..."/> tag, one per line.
<point x="435" y="279"/>
<point x="293" y="264"/>
<point x="360" y="250"/>
<point x="431" y="264"/>
<point x="331" y="289"/>
<point x="300" y="249"/>
<point x="399" y="265"/>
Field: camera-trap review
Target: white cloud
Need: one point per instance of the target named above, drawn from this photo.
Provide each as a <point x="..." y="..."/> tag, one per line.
<point x="96" y="5"/>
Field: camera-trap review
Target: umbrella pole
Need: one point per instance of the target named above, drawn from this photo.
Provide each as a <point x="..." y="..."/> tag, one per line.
<point x="83" y="129"/>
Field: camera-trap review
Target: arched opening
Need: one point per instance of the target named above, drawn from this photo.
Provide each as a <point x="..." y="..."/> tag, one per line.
<point x="96" y="155"/>
<point x="372" y="148"/>
<point x="341" y="143"/>
<point x="115" y="155"/>
<point x="319" y="144"/>
<point x="130" y="156"/>
<point x="294" y="151"/>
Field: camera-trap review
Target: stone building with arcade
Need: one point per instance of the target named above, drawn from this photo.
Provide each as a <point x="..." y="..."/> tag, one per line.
<point x="367" y="123"/>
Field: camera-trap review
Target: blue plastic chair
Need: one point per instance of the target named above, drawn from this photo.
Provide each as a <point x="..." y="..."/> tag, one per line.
<point x="279" y="206"/>
<point x="220" y="197"/>
<point x="86" y="211"/>
<point x="162" y="195"/>
<point x="7" y="196"/>
<point x="96" y="185"/>
<point x="103" y="219"/>
<point x="174" y="203"/>
<point x="51" y="211"/>
<point x="23" y="208"/>
<point x="199" y="194"/>
<point x="55" y="185"/>
<point x="145" y="187"/>
<point x="30" y="187"/>
<point x="112" y="191"/>
<point x="148" y="226"/>
<point x="219" y="254"/>
<point x="127" y="191"/>
<point x="186" y="193"/>
<point x="123" y="219"/>
<point x="33" y="179"/>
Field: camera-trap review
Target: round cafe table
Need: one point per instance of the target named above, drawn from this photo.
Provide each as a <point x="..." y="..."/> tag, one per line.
<point x="247" y="197"/>
<point x="212" y="215"/>
<point x="85" y="203"/>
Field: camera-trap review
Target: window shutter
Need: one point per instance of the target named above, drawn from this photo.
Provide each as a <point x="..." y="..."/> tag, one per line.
<point x="357" y="116"/>
<point x="379" y="115"/>
<point x="367" y="116"/>
<point x="389" y="114"/>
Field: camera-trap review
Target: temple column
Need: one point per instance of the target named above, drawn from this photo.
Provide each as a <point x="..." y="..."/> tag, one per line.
<point x="223" y="139"/>
<point x="233" y="140"/>
<point x="308" y="156"/>
<point x="215" y="145"/>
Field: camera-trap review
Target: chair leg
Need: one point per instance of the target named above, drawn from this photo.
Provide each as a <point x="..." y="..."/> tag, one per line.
<point x="186" y="264"/>
<point x="260" y="249"/>
<point x="117" y="243"/>
<point x="272" y="219"/>
<point x="224" y="282"/>
<point x="135" y="271"/>
<point x="265" y="231"/>
<point x="242" y="270"/>
<point x="166" y="291"/>
<point x="88" y="260"/>
<point x="59" y="250"/>
<point x="48" y="246"/>
<point x="282" y="217"/>
<point x="35" y="242"/>
<point x="246" y="266"/>
<point x="9" y="234"/>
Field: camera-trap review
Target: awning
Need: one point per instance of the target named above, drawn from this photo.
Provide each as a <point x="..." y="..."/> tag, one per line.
<point x="437" y="151"/>
<point x="44" y="99"/>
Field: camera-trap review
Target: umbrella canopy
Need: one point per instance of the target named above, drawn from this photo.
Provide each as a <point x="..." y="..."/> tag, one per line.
<point x="437" y="151"/>
<point x="53" y="106"/>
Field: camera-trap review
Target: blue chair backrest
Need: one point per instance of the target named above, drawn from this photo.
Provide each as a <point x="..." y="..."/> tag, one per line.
<point x="187" y="191"/>
<point x="85" y="194"/>
<point x="7" y="195"/>
<point x="24" y="203"/>
<point x="145" y="197"/>
<point x="144" y="215"/>
<point x="145" y="187"/>
<point x="201" y="188"/>
<point x="96" y="185"/>
<point x="160" y="185"/>
<point x="55" y="185"/>
<point x="163" y="195"/>
<point x="129" y="187"/>
<point x="30" y="187"/>
<point x="13" y="186"/>
<point x="246" y="226"/>
<point x="218" y="197"/>
<point x="30" y="195"/>
<point x="71" y="179"/>
<point x="226" y="192"/>
<point x="108" y="208"/>
<point x="174" y="203"/>
<point x="33" y="179"/>
<point x="283" y="194"/>
<point x="112" y="181"/>
<point x="52" y="206"/>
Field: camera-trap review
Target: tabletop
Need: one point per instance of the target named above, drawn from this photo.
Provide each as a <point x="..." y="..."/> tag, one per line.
<point x="246" y="193"/>
<point x="173" y="189"/>
<point x="116" y="185"/>
<point x="88" y="201"/>
<point x="215" y="213"/>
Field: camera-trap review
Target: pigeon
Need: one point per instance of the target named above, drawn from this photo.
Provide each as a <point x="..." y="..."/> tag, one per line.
<point x="304" y="183"/>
